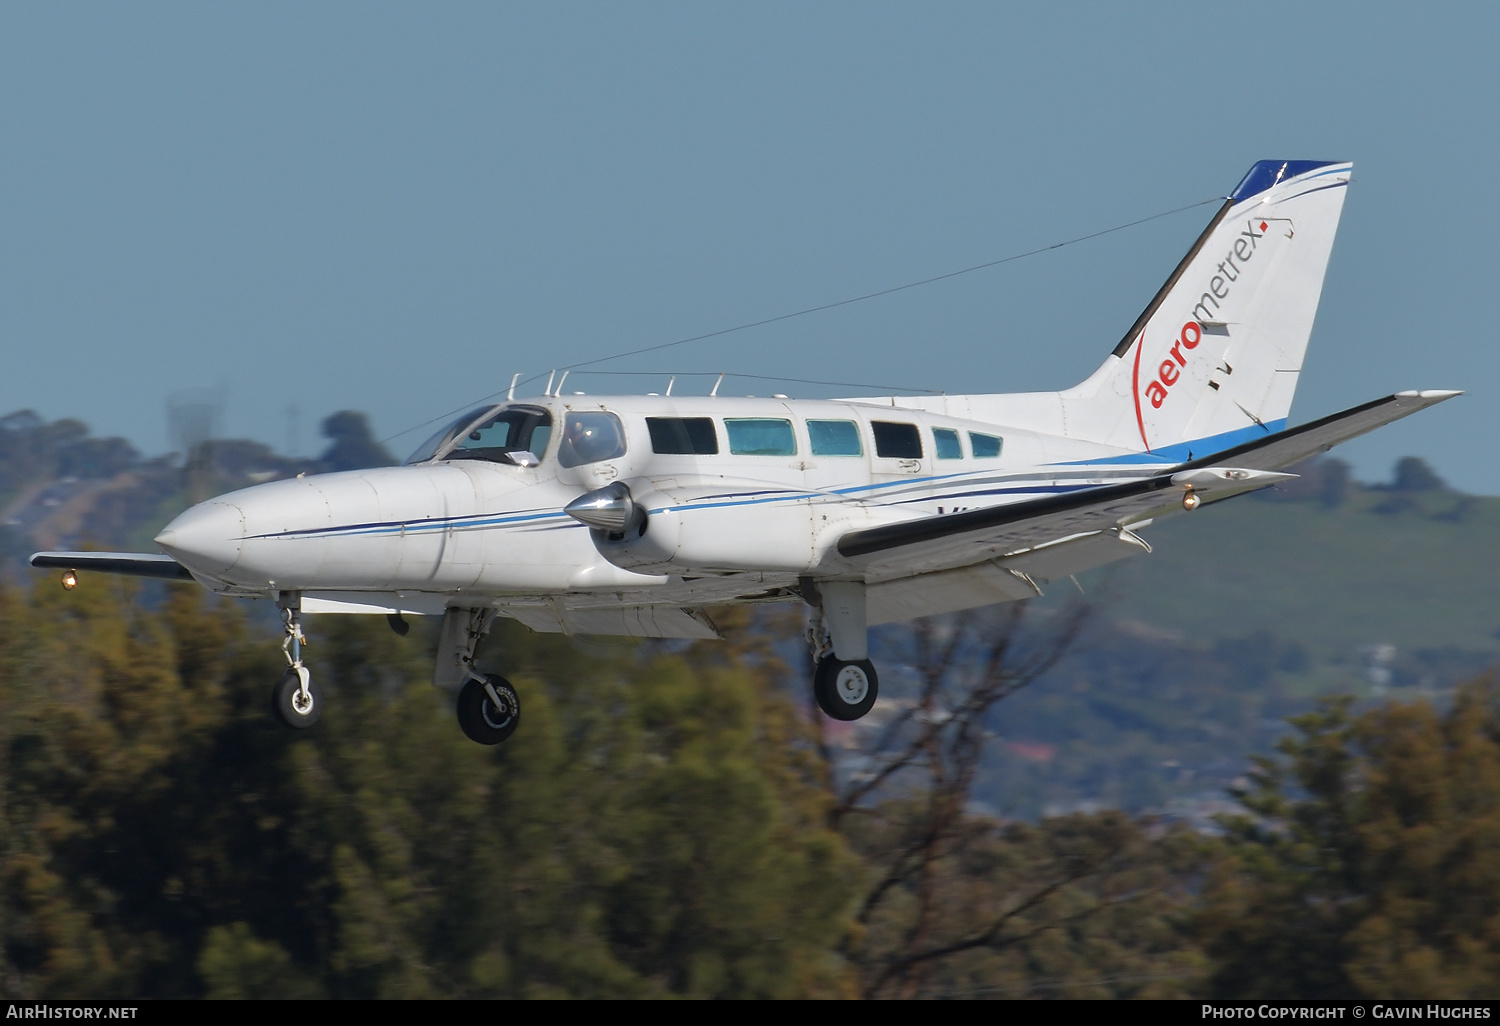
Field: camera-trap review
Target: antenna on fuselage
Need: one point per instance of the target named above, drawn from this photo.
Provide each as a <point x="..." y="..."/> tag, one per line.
<point x="510" y="393"/>
<point x="550" y="375"/>
<point x="670" y="382"/>
<point x="717" y="384"/>
<point x="560" y="382"/>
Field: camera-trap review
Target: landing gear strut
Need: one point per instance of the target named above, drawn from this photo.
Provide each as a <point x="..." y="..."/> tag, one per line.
<point x="295" y="701"/>
<point x="845" y="683"/>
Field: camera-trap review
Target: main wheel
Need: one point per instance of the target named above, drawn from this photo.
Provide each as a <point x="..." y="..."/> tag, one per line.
<point x="481" y="717"/>
<point x="845" y="690"/>
<point x="289" y="705"/>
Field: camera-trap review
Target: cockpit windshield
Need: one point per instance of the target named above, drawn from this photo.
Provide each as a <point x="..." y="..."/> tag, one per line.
<point x="506" y="437"/>
<point x="501" y="434"/>
<point x="444" y="435"/>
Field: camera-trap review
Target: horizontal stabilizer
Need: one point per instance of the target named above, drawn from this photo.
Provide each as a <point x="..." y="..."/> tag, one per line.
<point x="129" y="564"/>
<point x="1297" y="444"/>
<point x="964" y="539"/>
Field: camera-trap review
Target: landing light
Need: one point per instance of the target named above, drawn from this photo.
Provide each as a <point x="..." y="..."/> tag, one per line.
<point x="69" y="579"/>
<point x="1190" y="500"/>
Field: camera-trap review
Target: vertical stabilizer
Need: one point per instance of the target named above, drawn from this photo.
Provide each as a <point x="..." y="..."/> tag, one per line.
<point x="1213" y="360"/>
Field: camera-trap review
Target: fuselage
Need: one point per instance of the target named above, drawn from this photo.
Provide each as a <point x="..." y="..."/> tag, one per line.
<point x="751" y="489"/>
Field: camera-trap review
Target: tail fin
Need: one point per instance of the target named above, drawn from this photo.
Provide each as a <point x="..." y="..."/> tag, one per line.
<point x="1214" y="360"/>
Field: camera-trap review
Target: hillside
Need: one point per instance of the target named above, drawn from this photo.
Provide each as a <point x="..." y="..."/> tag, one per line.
<point x="1415" y="569"/>
<point x="1244" y="614"/>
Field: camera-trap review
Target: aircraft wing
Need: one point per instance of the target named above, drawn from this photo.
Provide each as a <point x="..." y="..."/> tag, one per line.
<point x="1033" y="533"/>
<point x="130" y="564"/>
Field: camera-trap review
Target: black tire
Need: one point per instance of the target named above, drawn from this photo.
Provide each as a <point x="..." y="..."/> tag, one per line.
<point x="478" y="717"/>
<point x="845" y="690"/>
<point x="284" y="702"/>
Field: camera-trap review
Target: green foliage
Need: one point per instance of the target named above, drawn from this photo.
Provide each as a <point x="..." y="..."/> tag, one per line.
<point x="643" y="834"/>
<point x="660" y="826"/>
<point x="1072" y="907"/>
<point x="1367" y="867"/>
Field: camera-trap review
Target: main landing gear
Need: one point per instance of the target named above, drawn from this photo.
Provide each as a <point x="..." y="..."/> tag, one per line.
<point x="295" y="700"/>
<point x="845" y="684"/>
<point x="488" y="709"/>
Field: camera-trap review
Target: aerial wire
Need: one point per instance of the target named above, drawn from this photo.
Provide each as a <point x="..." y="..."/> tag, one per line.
<point x="819" y="309"/>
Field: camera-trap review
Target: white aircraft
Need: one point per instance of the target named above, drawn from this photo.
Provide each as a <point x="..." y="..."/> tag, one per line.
<point x="631" y="515"/>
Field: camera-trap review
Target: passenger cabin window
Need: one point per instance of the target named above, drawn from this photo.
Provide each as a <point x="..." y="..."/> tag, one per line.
<point x="589" y="438"/>
<point x="896" y="441"/>
<point x="947" y="444"/>
<point x="834" y="438"/>
<point x="760" y="436"/>
<point x="984" y="446"/>
<point x="683" y="436"/>
<point x="504" y="437"/>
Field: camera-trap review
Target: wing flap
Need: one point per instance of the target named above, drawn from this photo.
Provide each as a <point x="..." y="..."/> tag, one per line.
<point x="946" y="592"/>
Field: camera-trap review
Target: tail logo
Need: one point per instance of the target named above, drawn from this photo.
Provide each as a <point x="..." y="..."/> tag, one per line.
<point x="1229" y="272"/>
<point x="1222" y="278"/>
<point x="1167" y="375"/>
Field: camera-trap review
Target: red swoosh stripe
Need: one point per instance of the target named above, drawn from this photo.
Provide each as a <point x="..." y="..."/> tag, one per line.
<point x="1135" y="388"/>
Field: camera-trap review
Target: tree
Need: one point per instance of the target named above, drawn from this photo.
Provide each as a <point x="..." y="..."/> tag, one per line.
<point x="354" y="447"/>
<point x="1364" y="866"/>
<point x="641" y="835"/>
<point x="957" y="902"/>
<point x="1414" y="475"/>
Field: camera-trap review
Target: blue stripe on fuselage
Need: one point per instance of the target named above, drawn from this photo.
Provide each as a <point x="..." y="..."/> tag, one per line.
<point x="1181" y="452"/>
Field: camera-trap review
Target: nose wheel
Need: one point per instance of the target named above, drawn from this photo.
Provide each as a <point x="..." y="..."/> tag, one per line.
<point x="296" y="701"/>
<point x="845" y="689"/>
<point x="488" y="709"/>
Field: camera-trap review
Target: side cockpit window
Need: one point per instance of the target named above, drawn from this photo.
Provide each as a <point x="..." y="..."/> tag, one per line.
<point x="589" y="438"/>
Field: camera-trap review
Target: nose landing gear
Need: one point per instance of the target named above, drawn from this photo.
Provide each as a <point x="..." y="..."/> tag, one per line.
<point x="295" y="701"/>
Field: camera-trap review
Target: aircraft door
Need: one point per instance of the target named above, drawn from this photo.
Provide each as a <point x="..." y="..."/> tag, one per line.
<point x="897" y="450"/>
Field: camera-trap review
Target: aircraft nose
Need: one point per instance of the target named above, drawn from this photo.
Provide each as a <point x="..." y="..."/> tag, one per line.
<point x="207" y="537"/>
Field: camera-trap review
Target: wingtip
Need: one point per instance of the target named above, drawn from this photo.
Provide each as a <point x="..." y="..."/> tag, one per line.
<point x="1430" y="395"/>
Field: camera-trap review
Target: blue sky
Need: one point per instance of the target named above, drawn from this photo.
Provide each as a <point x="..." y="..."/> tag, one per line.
<point x="393" y="207"/>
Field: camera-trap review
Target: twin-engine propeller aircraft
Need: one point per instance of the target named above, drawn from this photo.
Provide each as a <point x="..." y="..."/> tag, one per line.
<point x="630" y="515"/>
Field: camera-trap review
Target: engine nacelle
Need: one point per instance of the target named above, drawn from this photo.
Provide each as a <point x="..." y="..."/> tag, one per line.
<point x="711" y="528"/>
